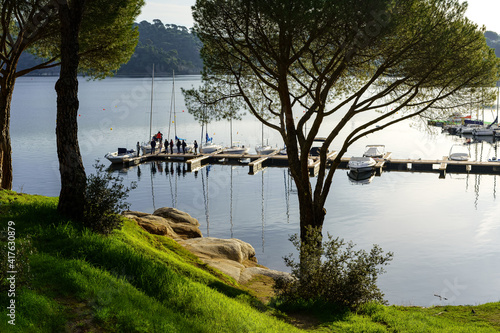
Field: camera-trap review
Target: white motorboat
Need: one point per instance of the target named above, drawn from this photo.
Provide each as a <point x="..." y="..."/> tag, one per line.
<point x="374" y="151"/>
<point x="359" y="165"/>
<point x="468" y="129"/>
<point x="121" y="155"/>
<point x="459" y="153"/>
<point x="210" y="149"/>
<point x="265" y="150"/>
<point x="236" y="150"/>
<point x="483" y="131"/>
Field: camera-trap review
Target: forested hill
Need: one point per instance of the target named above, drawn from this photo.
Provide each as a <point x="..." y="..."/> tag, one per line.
<point x="493" y="41"/>
<point x="170" y="47"/>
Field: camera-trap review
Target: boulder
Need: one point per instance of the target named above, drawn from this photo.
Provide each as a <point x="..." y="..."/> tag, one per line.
<point x="249" y="272"/>
<point x="183" y="227"/>
<point x="135" y="213"/>
<point x="216" y="248"/>
<point x="176" y="216"/>
<point x="154" y="225"/>
<point x="232" y="257"/>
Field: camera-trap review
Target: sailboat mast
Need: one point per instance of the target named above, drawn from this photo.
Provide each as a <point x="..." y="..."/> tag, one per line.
<point x="231" y="130"/>
<point x="498" y="98"/>
<point x="262" y="134"/>
<point x="203" y="124"/>
<point x="151" y="112"/>
<point x="173" y="98"/>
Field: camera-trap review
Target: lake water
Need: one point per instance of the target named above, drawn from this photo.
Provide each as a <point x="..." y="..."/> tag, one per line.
<point x="445" y="234"/>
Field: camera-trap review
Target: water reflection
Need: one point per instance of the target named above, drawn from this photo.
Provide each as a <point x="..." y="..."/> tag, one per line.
<point x="262" y="211"/>
<point x="206" y="197"/>
<point x="153" y="171"/>
<point x="363" y="178"/>
<point x="219" y="194"/>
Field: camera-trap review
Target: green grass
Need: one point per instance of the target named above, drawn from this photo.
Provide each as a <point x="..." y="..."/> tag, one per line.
<point x="70" y="279"/>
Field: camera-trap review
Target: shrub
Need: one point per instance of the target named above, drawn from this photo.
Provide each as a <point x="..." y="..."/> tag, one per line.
<point x="332" y="272"/>
<point x="104" y="200"/>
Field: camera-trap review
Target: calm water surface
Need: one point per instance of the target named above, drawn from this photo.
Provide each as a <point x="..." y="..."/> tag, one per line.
<point x="444" y="233"/>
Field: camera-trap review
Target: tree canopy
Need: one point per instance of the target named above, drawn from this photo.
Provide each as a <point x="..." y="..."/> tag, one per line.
<point x="379" y="61"/>
<point x="106" y="40"/>
<point x="170" y="47"/>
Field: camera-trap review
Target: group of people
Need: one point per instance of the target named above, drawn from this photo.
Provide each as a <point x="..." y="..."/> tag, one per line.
<point x="158" y="140"/>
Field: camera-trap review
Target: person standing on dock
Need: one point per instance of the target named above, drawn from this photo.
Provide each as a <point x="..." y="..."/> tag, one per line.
<point x="195" y="147"/>
<point x="171" y="146"/>
<point x="184" y="146"/>
<point x="159" y="136"/>
<point x="138" y="147"/>
<point x="160" y="145"/>
<point x="178" y="144"/>
<point x="153" y="145"/>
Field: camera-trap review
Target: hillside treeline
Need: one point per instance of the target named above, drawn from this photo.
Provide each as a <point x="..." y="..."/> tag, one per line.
<point x="493" y="41"/>
<point x="170" y="47"/>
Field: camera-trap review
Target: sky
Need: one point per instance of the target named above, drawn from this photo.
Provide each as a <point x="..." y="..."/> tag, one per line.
<point x="482" y="12"/>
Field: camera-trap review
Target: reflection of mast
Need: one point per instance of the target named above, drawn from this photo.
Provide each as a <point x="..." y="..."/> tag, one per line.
<point x="176" y="180"/>
<point x="205" y="200"/>
<point x="476" y="189"/>
<point x="170" y="181"/>
<point x="153" y="170"/>
<point x="231" y="204"/>
<point x="263" y="215"/>
<point x="287" y="196"/>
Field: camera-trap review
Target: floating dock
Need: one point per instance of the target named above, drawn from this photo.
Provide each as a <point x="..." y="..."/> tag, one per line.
<point x="257" y="163"/>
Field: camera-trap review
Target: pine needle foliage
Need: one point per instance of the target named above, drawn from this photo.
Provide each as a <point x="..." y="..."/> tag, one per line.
<point x="333" y="272"/>
<point x="104" y="199"/>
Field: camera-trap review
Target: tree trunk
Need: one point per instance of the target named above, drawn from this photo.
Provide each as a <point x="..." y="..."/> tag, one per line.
<point x="5" y="143"/>
<point x="73" y="178"/>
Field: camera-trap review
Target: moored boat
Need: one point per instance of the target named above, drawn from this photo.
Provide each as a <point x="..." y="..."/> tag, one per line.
<point x="459" y="153"/>
<point x="265" y="150"/>
<point x="236" y="150"/>
<point x="374" y="151"/>
<point x="359" y="165"/>
<point x="210" y="149"/>
<point x="121" y="155"/>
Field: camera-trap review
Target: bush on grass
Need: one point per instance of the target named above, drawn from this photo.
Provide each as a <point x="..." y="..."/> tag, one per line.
<point x="332" y="272"/>
<point x="105" y="200"/>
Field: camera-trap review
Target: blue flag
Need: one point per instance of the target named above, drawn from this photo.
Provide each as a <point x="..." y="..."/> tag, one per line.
<point x="176" y="138"/>
<point x="208" y="139"/>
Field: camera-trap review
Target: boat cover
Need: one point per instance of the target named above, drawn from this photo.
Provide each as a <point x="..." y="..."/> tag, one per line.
<point x="374" y="151"/>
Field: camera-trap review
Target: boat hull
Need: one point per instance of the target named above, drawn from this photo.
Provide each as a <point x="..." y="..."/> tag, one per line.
<point x="361" y="177"/>
<point x="266" y="150"/>
<point x="358" y="165"/>
<point x="236" y="150"/>
<point x="210" y="149"/>
<point x="116" y="157"/>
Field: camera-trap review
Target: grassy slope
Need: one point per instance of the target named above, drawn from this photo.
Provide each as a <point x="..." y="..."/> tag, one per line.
<point x="136" y="282"/>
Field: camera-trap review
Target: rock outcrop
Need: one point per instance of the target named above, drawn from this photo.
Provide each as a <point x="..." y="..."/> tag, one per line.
<point x="233" y="257"/>
<point x="168" y="222"/>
